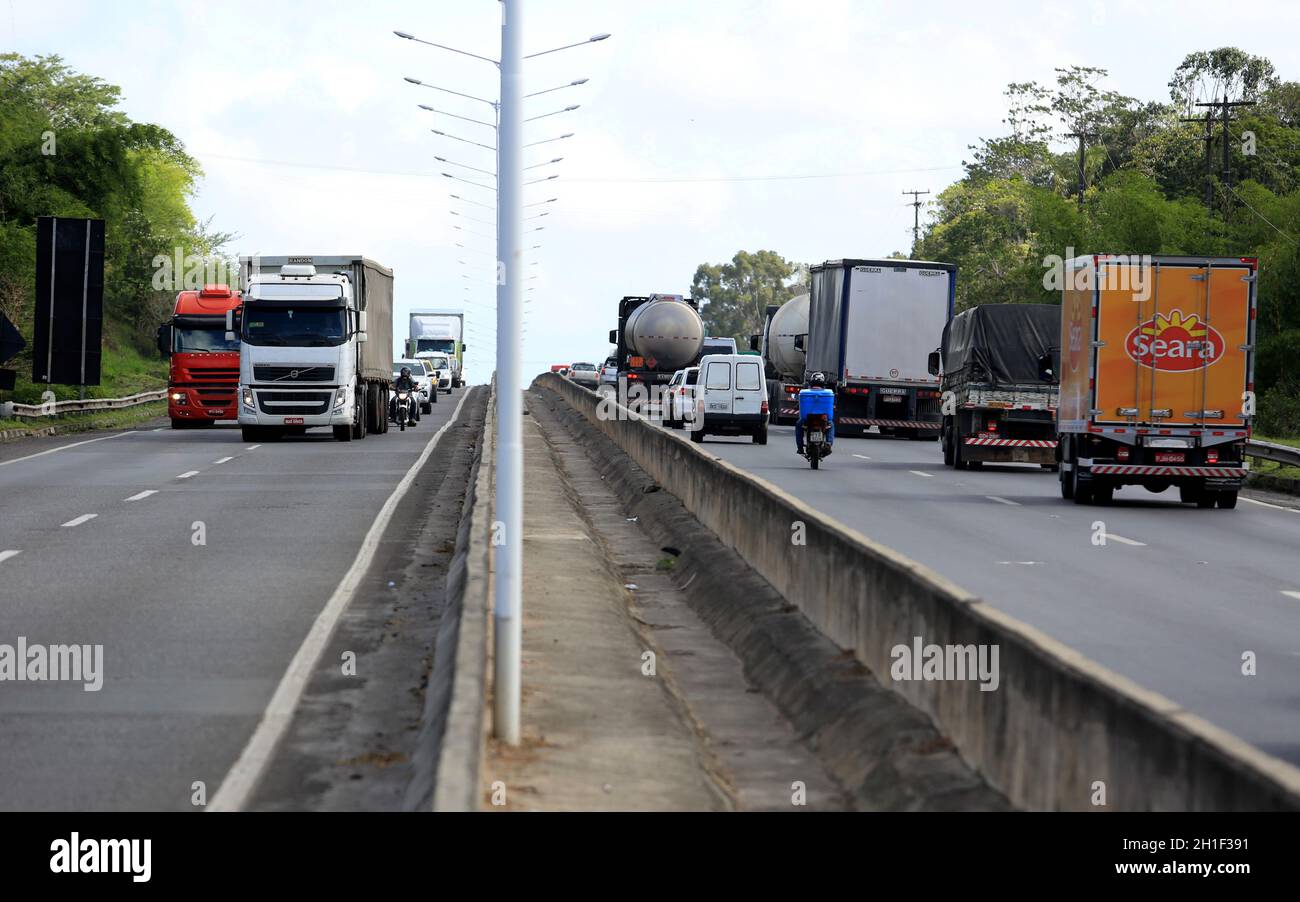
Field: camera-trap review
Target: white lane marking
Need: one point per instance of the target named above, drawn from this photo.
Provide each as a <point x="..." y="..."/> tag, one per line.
<point x="1020" y="563"/>
<point x="142" y="495"/>
<point x="1276" y="507"/>
<point x="862" y="457"/>
<point x="1124" y="541"/>
<point x="223" y="460"/>
<point x="84" y="518"/>
<point x="159" y="429"/>
<point x="919" y="473"/>
<point x="252" y="447"/>
<point x="6" y="555"/>
<point x="1002" y="500"/>
<point x="1287" y="592"/>
<point x="244" y="774"/>
<point x="188" y="475"/>
<point x="17" y="460"/>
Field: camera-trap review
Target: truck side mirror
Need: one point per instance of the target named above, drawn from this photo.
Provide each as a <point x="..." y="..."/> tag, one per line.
<point x="613" y="336"/>
<point x="754" y="342"/>
<point x="361" y="325"/>
<point x="801" y="343"/>
<point x="164" y="340"/>
<point x="230" y="325"/>
<point x="463" y="347"/>
<point x="1046" y="369"/>
<point x="932" y="363"/>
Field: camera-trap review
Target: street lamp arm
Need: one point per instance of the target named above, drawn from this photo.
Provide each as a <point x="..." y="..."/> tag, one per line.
<point x="425" y="84"/>
<point x="591" y="40"/>
<point x="430" y="109"/>
<point x="411" y="37"/>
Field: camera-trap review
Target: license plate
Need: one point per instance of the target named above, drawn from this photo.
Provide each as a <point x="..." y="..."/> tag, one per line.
<point x="893" y="391"/>
<point x="293" y="421"/>
<point x="1170" y="457"/>
<point x="217" y="413"/>
<point x="893" y="399"/>
<point x="816" y="436"/>
<point x="718" y="405"/>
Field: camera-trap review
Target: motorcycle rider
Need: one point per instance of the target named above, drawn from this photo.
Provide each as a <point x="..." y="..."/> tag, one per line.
<point x="816" y="398"/>
<point x="407" y="384"/>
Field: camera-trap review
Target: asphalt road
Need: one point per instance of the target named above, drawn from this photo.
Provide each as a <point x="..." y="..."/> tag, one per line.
<point x="195" y="636"/>
<point x="1173" y="600"/>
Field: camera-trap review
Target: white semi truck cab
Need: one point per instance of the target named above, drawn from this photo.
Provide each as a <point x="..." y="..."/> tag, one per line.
<point x="309" y="350"/>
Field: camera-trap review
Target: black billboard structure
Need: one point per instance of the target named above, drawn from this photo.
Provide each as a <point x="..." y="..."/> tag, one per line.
<point x="69" y="301"/>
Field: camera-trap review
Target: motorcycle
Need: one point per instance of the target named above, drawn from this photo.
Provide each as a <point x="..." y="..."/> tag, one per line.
<point x="815" y="446"/>
<point x="404" y="409"/>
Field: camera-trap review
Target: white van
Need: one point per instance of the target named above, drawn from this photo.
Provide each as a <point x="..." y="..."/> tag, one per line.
<point x="731" y="396"/>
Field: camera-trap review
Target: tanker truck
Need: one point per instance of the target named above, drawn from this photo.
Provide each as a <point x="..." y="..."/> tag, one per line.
<point x="657" y="335"/>
<point x="782" y="346"/>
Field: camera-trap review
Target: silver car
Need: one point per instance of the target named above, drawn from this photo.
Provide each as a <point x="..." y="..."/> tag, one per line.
<point x="585" y="374"/>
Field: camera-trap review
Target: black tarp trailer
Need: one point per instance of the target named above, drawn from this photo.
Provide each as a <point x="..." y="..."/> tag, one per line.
<point x="997" y="408"/>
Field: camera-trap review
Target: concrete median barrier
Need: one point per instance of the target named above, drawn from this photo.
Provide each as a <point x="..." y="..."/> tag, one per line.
<point x="1058" y="732"/>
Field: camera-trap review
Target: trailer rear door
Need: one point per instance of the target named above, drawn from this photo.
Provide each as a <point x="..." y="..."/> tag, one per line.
<point x="1173" y="337"/>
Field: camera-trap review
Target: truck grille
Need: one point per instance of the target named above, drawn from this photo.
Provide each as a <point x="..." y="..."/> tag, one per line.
<point x="215" y="373"/>
<point x="293" y="373"/>
<point x="293" y="403"/>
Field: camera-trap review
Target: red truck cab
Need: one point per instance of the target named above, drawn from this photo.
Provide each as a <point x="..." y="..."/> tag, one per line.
<point x="204" y="375"/>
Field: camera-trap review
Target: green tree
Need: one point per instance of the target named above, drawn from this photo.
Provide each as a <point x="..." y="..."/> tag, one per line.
<point x="734" y="296"/>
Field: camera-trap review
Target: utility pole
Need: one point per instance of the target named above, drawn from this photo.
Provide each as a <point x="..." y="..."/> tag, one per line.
<point x="1208" y="138"/>
<point x="1227" y="106"/>
<point x="1083" y="137"/>
<point x="916" y="218"/>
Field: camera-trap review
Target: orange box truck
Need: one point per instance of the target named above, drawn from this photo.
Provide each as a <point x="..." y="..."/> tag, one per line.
<point x="1156" y="366"/>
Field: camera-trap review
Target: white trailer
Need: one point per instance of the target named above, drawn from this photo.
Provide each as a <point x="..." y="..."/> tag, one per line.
<point x="871" y="327"/>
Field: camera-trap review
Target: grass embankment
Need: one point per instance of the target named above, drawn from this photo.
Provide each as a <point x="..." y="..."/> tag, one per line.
<point x="1268" y="467"/>
<point x="124" y="371"/>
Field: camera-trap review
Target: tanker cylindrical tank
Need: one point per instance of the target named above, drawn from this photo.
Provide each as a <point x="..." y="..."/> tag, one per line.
<point x="791" y="320"/>
<point x="668" y="334"/>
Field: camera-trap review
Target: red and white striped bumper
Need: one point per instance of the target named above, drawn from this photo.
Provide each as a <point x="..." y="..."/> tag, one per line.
<point x="1138" y="470"/>
<point x="896" y="424"/>
<point x="1012" y="442"/>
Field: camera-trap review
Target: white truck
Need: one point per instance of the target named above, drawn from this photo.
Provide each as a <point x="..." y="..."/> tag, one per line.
<point x="440" y="331"/>
<point x="871" y="327"/>
<point x="316" y="346"/>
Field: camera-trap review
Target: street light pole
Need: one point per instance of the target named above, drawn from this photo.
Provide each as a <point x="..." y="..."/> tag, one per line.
<point x="508" y="587"/>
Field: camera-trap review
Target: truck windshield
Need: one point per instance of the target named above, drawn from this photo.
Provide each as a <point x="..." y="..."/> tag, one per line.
<point x="202" y="340"/>
<point x="446" y="345"/>
<point x="302" y="327"/>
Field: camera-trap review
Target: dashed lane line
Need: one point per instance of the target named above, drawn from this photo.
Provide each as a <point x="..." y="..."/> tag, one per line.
<point x="77" y="521"/>
<point x="6" y="555"/>
<point x="188" y="475"/>
<point x="1124" y="541"/>
<point x="142" y="495"/>
<point x="1003" y="501"/>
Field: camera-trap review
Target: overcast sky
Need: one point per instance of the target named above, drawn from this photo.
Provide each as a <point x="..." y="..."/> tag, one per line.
<point x="706" y="127"/>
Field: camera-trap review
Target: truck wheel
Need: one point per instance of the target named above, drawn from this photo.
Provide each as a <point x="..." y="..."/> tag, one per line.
<point x="945" y="441"/>
<point x="1187" y="494"/>
<point x="1082" y="492"/>
<point x="1206" y="500"/>
<point x="1227" y="500"/>
<point x="343" y="433"/>
<point x="1067" y="485"/>
<point x="359" y="418"/>
<point x="1103" y="494"/>
<point x="958" y="463"/>
<point x="697" y="436"/>
<point x="250" y="433"/>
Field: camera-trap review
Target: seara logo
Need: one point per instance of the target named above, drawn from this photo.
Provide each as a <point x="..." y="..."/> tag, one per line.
<point x="1175" y="343"/>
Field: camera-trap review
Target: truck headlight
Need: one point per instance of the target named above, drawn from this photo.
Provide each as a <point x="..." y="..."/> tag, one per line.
<point x="247" y="398"/>
<point x="340" y="397"/>
<point x="179" y="398"/>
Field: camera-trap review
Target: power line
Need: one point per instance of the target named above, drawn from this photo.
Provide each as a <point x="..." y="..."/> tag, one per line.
<point x="409" y="173"/>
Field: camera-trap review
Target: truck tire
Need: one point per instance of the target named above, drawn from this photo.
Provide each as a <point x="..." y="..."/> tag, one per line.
<point x="697" y="436"/>
<point x="1067" y="484"/>
<point x="1227" y="500"/>
<point x="958" y="463"/>
<point x="945" y="441"/>
<point x="1205" y="501"/>
<point x="1103" y="494"/>
<point x="250" y="433"/>
<point x="384" y="422"/>
<point x="1188" y="494"/>
<point x="1081" y="492"/>
<point x="374" y="415"/>
<point x="359" y="421"/>
<point x="343" y="433"/>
